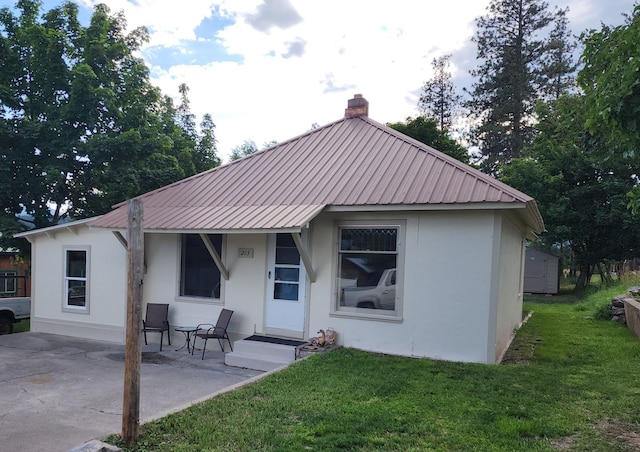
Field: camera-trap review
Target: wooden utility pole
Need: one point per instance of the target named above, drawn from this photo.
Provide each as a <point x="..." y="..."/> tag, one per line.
<point x="132" y="355"/>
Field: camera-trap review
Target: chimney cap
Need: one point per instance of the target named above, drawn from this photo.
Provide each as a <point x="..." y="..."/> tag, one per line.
<point x="358" y="106"/>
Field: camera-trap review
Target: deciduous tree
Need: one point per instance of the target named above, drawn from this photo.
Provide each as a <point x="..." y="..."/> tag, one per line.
<point x="580" y="194"/>
<point x="426" y="131"/>
<point x="81" y="126"/>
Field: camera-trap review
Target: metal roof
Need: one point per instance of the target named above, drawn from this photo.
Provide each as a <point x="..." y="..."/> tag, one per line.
<point x="351" y="163"/>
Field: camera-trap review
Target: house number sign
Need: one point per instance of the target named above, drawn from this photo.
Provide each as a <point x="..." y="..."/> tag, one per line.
<point x="245" y="252"/>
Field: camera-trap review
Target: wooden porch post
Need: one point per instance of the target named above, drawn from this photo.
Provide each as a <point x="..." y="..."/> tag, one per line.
<point x="132" y="358"/>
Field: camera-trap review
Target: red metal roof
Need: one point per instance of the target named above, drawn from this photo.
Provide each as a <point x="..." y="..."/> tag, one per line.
<point x="352" y="162"/>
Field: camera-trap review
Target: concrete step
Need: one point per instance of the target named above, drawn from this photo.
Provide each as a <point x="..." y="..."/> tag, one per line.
<point x="260" y="355"/>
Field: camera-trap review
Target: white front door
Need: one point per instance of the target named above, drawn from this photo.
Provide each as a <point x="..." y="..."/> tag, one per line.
<point x="286" y="288"/>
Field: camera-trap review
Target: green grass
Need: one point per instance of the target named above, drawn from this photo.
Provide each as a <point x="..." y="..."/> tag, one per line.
<point x="22" y="326"/>
<point x="571" y="384"/>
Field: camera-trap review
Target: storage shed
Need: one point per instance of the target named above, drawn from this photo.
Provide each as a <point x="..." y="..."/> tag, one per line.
<point x="541" y="272"/>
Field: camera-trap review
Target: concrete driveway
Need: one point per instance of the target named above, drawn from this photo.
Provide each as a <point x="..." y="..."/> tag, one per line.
<point x="59" y="392"/>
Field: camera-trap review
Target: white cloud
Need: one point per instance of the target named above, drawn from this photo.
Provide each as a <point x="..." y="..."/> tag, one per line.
<point x="301" y="67"/>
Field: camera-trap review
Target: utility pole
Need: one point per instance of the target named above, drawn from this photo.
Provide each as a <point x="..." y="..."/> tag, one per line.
<point x="132" y="356"/>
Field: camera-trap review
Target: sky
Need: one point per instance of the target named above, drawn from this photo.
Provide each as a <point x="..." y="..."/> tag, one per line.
<point x="267" y="70"/>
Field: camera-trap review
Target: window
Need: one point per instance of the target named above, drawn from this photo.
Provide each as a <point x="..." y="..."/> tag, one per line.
<point x="367" y="269"/>
<point x="8" y="282"/>
<point x="199" y="275"/>
<point x="76" y="265"/>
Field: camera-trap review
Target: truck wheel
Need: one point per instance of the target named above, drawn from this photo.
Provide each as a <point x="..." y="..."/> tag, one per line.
<point x="6" y="326"/>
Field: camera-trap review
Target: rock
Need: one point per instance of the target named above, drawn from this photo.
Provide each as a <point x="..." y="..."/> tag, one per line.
<point x="618" y="301"/>
<point x="95" y="446"/>
<point x="634" y="290"/>
<point x="617" y="311"/>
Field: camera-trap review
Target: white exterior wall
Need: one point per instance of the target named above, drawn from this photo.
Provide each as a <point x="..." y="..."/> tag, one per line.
<point x="461" y="289"/>
<point x="447" y="287"/>
<point x="243" y="293"/>
<point x="510" y="287"/>
<point x="106" y="285"/>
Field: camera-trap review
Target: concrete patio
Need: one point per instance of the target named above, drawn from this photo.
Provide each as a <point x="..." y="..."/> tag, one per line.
<point x="59" y="392"/>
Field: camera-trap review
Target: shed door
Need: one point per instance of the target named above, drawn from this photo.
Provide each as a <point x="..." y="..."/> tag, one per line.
<point x="535" y="276"/>
<point x="286" y="288"/>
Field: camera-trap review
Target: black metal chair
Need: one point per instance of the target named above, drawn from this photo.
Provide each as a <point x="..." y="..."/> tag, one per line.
<point x="217" y="331"/>
<point x="156" y="321"/>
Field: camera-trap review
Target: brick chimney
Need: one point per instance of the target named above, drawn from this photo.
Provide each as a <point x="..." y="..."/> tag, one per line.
<point x="358" y="106"/>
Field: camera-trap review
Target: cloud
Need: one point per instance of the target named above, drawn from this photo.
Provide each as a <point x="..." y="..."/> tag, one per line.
<point x="274" y="13"/>
<point x="267" y="70"/>
<point x="295" y="48"/>
<point x="331" y="87"/>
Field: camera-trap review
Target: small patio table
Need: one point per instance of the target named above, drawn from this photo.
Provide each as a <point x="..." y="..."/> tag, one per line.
<point x="187" y="331"/>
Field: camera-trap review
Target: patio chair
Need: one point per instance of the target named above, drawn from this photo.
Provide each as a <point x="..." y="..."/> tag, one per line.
<point x="217" y="331"/>
<point x="156" y="321"/>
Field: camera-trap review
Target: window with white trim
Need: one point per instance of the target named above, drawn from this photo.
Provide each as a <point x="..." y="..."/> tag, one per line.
<point x="368" y="267"/>
<point x="76" y="277"/>
<point x="8" y="282"/>
<point x="199" y="274"/>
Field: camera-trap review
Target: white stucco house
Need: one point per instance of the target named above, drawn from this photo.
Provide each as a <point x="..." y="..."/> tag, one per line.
<point x="353" y="226"/>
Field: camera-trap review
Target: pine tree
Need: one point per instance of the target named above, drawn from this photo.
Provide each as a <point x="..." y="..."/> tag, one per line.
<point x="439" y="99"/>
<point x="558" y="63"/>
<point x="513" y="41"/>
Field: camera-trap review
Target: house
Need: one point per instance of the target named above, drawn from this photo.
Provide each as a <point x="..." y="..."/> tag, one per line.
<point x="14" y="275"/>
<point x="541" y="272"/>
<point x="280" y="235"/>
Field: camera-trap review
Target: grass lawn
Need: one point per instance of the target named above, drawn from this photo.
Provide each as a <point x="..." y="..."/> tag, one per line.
<point x="570" y="382"/>
<point x="22" y="326"/>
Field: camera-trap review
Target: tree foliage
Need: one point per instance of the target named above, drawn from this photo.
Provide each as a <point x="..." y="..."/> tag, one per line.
<point x="558" y="62"/>
<point x="81" y="126"/>
<point x="581" y="195"/>
<point x="426" y="131"/>
<point x="247" y="148"/>
<point x="439" y="99"/>
<point x="512" y="47"/>
<point x="610" y="78"/>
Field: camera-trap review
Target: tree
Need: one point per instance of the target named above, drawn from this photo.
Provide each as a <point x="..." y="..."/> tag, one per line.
<point x="247" y="148"/>
<point x="186" y="119"/>
<point x="581" y="195"/>
<point x="512" y="44"/>
<point x="610" y="76"/>
<point x="439" y="99"/>
<point x="558" y="63"/>
<point x="426" y="131"/>
<point x="610" y="79"/>
<point x="205" y="154"/>
<point x="81" y="126"/>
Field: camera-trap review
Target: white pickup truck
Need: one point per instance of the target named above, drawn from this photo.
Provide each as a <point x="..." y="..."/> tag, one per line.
<point x="12" y="310"/>
<point x="380" y="296"/>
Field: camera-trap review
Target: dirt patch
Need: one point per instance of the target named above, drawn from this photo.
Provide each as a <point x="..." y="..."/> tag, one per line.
<point x="624" y="434"/>
<point x="521" y="351"/>
<point x="565" y="443"/>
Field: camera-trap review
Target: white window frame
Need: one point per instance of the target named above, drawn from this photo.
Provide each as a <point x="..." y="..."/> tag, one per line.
<point x="11" y="278"/>
<point x="362" y="313"/>
<point x="66" y="279"/>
